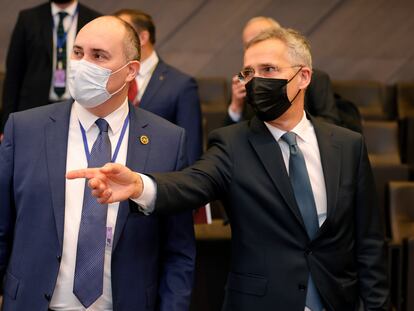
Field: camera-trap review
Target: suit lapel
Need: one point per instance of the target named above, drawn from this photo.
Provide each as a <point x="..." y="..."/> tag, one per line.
<point x="154" y="84"/>
<point x="330" y="152"/>
<point x="56" y="133"/>
<point x="47" y="24"/>
<point x="137" y="157"/>
<point x="269" y="153"/>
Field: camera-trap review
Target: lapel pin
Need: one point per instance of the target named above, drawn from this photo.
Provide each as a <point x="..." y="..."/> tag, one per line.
<point x="161" y="78"/>
<point x="144" y="139"/>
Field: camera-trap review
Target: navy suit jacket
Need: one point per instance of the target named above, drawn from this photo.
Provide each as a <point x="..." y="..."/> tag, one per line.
<point x="173" y="95"/>
<point x="153" y="257"/>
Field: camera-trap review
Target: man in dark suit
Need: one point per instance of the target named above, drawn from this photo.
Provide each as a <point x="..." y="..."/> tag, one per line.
<point x="34" y="58"/>
<point x="163" y="89"/>
<point x="319" y="96"/>
<point x="299" y="194"/>
<point x="61" y="250"/>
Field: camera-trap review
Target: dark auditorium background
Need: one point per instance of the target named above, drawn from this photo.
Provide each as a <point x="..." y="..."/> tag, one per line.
<point x="351" y="39"/>
<point x="367" y="48"/>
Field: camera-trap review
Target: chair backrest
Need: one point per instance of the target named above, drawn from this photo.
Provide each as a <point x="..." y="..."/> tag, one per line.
<point x="213" y="91"/>
<point x="214" y="101"/>
<point x="401" y="209"/>
<point x="405" y="99"/>
<point x="374" y="100"/>
<point x="382" y="140"/>
<point x="409" y="268"/>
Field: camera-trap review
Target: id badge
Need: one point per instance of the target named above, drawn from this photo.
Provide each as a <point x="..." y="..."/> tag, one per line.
<point x="60" y="78"/>
<point x="109" y="237"/>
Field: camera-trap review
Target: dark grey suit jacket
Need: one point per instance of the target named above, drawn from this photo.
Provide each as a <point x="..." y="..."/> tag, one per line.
<point x="271" y="252"/>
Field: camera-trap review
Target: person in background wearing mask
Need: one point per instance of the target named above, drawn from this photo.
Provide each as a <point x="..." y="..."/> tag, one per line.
<point x="298" y="191"/>
<point x="319" y="96"/>
<point x="39" y="53"/>
<point x="61" y="250"/>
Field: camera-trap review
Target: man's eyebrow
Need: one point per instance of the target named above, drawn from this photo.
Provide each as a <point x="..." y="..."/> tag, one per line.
<point x="101" y="51"/>
<point x="77" y="47"/>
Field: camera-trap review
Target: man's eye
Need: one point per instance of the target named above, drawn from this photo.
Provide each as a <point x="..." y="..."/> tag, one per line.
<point x="77" y="53"/>
<point x="270" y="69"/>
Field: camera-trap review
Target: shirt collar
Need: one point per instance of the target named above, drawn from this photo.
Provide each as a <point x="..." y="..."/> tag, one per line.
<point x="71" y="9"/>
<point x="115" y="119"/>
<point x="149" y="64"/>
<point x="303" y="129"/>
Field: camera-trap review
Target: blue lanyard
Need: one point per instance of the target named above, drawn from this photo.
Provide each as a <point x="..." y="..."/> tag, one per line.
<point x="118" y="145"/>
<point x="60" y="43"/>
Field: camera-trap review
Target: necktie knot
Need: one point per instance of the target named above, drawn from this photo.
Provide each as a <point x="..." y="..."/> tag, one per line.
<point x="290" y="139"/>
<point x="62" y="15"/>
<point x="102" y="124"/>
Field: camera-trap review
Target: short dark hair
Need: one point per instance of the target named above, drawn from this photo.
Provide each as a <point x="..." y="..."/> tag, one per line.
<point x="141" y="21"/>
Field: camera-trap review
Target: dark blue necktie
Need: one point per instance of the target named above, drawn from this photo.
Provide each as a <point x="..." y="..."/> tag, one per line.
<point x="88" y="280"/>
<point x="59" y="84"/>
<point x="299" y="179"/>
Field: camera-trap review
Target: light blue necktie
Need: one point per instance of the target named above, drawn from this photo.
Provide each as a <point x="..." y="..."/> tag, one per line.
<point x="88" y="280"/>
<point x="299" y="179"/>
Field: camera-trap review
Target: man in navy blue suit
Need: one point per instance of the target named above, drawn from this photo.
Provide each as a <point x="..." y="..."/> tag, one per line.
<point x="163" y="89"/>
<point x="127" y="261"/>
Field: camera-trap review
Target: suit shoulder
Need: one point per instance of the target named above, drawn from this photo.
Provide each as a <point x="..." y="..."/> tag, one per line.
<point x="231" y="131"/>
<point x="36" y="115"/>
<point x="176" y="73"/>
<point x="160" y="123"/>
<point x="339" y="131"/>
<point x="34" y="11"/>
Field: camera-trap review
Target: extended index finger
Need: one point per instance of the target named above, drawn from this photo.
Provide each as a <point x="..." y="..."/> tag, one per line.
<point x="82" y="173"/>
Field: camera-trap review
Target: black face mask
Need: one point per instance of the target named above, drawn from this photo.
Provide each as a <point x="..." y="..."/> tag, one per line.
<point x="268" y="97"/>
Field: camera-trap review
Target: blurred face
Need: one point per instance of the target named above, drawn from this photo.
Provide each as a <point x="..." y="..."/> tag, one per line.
<point x="253" y="29"/>
<point x="101" y="42"/>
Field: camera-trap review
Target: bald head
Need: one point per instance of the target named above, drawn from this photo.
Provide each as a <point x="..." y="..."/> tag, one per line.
<point x="256" y="25"/>
<point x="112" y="33"/>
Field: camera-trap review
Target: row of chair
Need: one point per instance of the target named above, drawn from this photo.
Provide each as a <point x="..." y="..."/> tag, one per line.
<point x="401" y="244"/>
<point x="375" y="100"/>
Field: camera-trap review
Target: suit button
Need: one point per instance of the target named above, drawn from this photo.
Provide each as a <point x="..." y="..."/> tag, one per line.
<point x="48" y="297"/>
<point x="308" y="252"/>
<point x="302" y="287"/>
<point x="59" y="258"/>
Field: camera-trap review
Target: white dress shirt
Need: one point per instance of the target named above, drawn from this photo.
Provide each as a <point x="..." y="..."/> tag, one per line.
<point x="145" y="73"/>
<point x="308" y="144"/>
<point x="63" y="298"/>
<point x="70" y="24"/>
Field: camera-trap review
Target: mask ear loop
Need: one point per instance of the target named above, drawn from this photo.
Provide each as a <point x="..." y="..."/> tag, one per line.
<point x="120" y="89"/>
<point x="295" y="74"/>
<point x="291" y="80"/>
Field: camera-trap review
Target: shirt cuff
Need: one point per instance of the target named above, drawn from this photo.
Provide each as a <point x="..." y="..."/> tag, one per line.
<point x="146" y="201"/>
<point x="235" y="116"/>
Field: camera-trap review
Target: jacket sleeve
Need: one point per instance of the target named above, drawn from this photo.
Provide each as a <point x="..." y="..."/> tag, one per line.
<point x="15" y="70"/>
<point x="7" y="207"/>
<point x="178" y="253"/>
<point x="188" y="116"/>
<point x="205" y="181"/>
<point x="370" y="245"/>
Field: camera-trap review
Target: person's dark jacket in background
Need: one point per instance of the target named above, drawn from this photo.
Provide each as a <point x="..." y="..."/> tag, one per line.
<point x="29" y="63"/>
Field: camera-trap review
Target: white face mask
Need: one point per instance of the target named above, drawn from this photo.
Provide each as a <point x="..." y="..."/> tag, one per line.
<point x="87" y="83"/>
